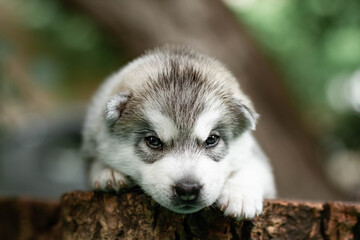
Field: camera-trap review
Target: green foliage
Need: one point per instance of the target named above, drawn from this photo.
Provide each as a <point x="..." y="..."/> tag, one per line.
<point x="313" y="42"/>
<point x="72" y="49"/>
<point x="349" y="135"/>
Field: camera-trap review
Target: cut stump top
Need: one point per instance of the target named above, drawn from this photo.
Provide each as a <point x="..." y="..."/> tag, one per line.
<point x="133" y="215"/>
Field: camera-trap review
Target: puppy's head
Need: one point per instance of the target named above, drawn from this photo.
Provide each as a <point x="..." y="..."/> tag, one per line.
<point x="173" y="134"/>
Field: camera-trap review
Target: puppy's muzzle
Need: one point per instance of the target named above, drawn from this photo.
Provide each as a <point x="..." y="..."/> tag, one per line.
<point x="187" y="191"/>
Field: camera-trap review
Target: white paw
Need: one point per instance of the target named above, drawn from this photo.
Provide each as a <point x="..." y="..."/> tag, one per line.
<point x="240" y="203"/>
<point x="109" y="180"/>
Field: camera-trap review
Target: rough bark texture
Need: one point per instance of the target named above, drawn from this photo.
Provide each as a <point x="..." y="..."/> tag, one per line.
<point x="207" y="25"/>
<point x="133" y="215"/>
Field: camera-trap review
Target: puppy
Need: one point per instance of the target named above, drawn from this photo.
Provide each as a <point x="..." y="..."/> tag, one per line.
<point x="176" y="123"/>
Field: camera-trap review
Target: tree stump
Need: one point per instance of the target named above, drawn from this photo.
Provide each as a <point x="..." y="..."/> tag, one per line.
<point x="134" y="215"/>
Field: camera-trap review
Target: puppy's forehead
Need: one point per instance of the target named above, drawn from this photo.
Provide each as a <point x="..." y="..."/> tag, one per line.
<point x="182" y="91"/>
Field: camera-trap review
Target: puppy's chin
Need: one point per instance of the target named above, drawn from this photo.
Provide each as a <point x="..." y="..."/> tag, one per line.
<point x="186" y="209"/>
<point x="181" y="207"/>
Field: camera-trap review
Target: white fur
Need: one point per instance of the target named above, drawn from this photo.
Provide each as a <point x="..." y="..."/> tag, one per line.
<point x="237" y="184"/>
<point x="112" y="113"/>
<point x="164" y="127"/>
<point x="106" y="178"/>
<point x="173" y="168"/>
<point x="206" y="122"/>
<point x="250" y="182"/>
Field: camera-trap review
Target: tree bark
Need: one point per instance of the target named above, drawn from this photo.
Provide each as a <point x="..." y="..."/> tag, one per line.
<point x="207" y="25"/>
<point x="133" y="215"/>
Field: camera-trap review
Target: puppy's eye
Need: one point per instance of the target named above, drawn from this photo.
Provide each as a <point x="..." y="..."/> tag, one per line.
<point x="153" y="142"/>
<point x="212" y="141"/>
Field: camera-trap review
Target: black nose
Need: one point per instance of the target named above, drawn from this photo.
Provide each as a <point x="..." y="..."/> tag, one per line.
<point x="188" y="191"/>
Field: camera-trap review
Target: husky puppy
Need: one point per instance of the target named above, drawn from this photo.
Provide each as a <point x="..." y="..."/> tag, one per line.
<point x="176" y="123"/>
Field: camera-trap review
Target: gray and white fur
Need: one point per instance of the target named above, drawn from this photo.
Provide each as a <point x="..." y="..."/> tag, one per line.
<point x="176" y="123"/>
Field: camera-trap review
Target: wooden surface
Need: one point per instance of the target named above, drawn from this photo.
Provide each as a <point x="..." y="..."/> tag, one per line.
<point x="133" y="215"/>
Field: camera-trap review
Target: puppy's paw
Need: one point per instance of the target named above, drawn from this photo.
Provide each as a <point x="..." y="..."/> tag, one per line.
<point x="240" y="203"/>
<point x="109" y="180"/>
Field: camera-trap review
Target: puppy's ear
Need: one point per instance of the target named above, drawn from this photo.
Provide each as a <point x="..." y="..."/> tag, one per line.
<point x="247" y="116"/>
<point x="115" y="107"/>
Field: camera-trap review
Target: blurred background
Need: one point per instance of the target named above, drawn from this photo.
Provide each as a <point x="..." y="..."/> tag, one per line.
<point x="298" y="60"/>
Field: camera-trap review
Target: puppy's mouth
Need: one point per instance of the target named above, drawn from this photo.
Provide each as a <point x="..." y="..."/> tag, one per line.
<point x="187" y="208"/>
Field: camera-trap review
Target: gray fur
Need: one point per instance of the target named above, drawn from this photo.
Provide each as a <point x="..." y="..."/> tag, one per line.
<point x="181" y="97"/>
<point x="179" y="92"/>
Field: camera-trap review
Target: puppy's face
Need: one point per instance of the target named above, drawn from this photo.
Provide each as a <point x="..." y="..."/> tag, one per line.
<point x="178" y="133"/>
<point x="184" y="169"/>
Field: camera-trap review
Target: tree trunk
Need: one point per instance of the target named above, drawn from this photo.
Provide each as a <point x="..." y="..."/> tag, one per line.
<point x="208" y="26"/>
<point x="89" y="215"/>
